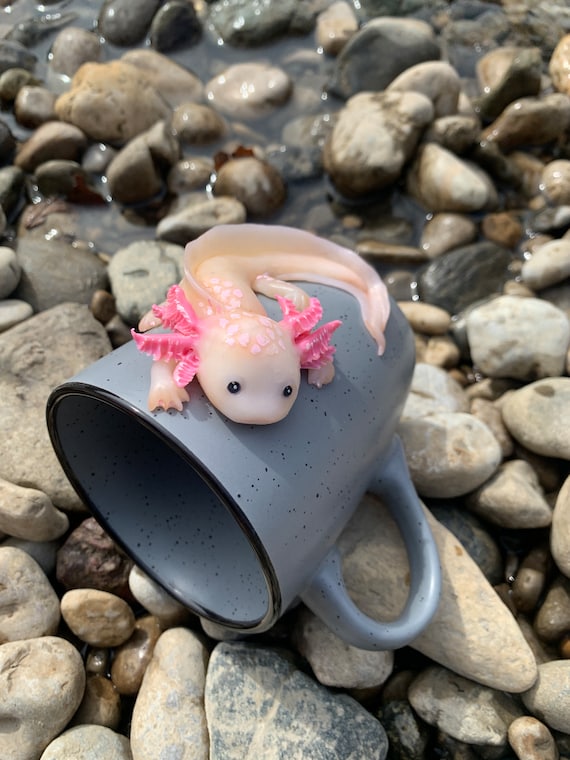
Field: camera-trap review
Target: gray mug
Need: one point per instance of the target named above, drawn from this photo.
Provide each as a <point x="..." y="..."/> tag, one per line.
<point x="240" y="522"/>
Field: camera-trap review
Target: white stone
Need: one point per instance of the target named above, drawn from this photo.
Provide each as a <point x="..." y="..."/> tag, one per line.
<point x="549" y="698"/>
<point x="249" y="90"/>
<point x="88" y="742"/>
<point x="449" y="453"/>
<point x="549" y="265"/>
<point x="29" y="514"/>
<point x="560" y="532"/>
<point x="155" y="599"/>
<point x="438" y="80"/>
<point x="521" y="338"/>
<point x="433" y="390"/>
<point x="335" y="26"/>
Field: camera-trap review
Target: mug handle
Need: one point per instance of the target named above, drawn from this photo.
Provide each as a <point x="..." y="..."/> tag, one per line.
<point x="328" y="597"/>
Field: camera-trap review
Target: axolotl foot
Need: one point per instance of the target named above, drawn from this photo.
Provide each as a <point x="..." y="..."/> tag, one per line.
<point x="321" y="376"/>
<point x="164" y="393"/>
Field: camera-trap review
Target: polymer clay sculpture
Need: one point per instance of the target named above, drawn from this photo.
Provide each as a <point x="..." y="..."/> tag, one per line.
<point x="249" y="365"/>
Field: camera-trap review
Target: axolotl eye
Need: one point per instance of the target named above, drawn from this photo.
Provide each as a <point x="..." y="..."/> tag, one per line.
<point x="287" y="391"/>
<point x="234" y="386"/>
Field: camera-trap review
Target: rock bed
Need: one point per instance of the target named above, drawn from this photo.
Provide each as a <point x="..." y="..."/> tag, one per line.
<point x="114" y="154"/>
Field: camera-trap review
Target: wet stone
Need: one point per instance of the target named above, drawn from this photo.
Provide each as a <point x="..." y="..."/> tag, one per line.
<point x="437" y="80"/>
<point x="198" y="216"/>
<point x="396" y="44"/>
<point x="175" y="83"/>
<point x="29" y="606"/>
<point x="555" y="181"/>
<point x="175" y="25"/>
<point x="457" y="133"/>
<point x="97" y="617"/>
<point x="465" y="275"/>
<point x="190" y="174"/>
<point x="249" y="90"/>
<point x="503" y="228"/>
<point x="72" y="48"/>
<point x="335" y="26"/>
<point x="530" y="121"/>
<point x="42" y="681"/>
<point x="123" y="23"/>
<point x="445" y="231"/>
<point x="34" y="106"/>
<point x="558" y="67"/>
<point x="425" y="318"/>
<point x="245" y="24"/>
<point x="131" y="658"/>
<point x="197" y="124"/>
<point x="549" y="265"/>
<point x="14" y="55"/>
<point x="101" y="703"/>
<point x="254" y="183"/>
<point x="50" y="141"/>
<point x="530" y="579"/>
<point x="12" y="80"/>
<point x="507" y="74"/>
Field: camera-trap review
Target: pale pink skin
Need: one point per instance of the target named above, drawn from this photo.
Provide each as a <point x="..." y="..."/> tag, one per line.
<point x="225" y="269"/>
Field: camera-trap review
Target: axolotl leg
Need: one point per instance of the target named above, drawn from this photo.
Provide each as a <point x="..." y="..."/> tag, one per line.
<point x="272" y="287"/>
<point x="164" y="393"/>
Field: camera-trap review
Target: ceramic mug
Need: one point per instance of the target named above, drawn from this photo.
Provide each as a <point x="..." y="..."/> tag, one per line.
<point x="239" y="522"/>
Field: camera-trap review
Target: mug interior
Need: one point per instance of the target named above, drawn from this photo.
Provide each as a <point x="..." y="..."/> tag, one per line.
<point x="165" y="510"/>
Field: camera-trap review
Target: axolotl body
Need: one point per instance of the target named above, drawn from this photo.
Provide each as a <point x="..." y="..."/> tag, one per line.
<point x="249" y="365"/>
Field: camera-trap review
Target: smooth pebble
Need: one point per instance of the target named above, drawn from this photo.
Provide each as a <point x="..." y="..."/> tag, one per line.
<point x="97" y="617"/>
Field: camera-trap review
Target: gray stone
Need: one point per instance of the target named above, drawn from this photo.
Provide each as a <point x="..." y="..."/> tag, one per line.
<point x="43" y="552"/>
<point x="168" y="716"/>
<point x="175" y="83"/>
<point x="50" y="141"/>
<point x="538" y="416"/>
<point x="433" y="390"/>
<point x="506" y="74"/>
<point x="437" y="80"/>
<point x="257" y="704"/>
<point x="463" y="709"/>
<point x="124" y="24"/>
<point x="34" y="105"/>
<point x="29" y="606"/>
<point x="446" y="231"/>
<point x="465" y="275"/>
<point x="521" y="338"/>
<point x="407" y="733"/>
<point x="35" y="356"/>
<point x="89" y="742"/>
<point x="55" y="270"/>
<point x="549" y="265"/>
<point x="549" y="698"/>
<point x="41" y="682"/>
<point x="28" y="513"/>
<point x="175" y="25"/>
<point x="530" y="121"/>
<point x="394" y="44"/>
<point x="242" y="23"/>
<point x="472" y="633"/>
<point x="141" y="274"/>
<point x="73" y="47"/>
<point x="198" y="215"/>
<point x="9" y="271"/>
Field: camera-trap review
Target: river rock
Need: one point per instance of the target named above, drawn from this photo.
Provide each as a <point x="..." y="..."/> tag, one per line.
<point x="175" y="25"/>
<point x="395" y="44"/>
<point x="465" y="275"/>
<point x="558" y="67"/>
<point x="467" y="711"/>
<point x="45" y="350"/>
<point x="89" y="558"/>
<point x="97" y="617"/>
<point x="168" y="716"/>
<point x="257" y="703"/>
<point x="29" y="606"/>
<point x="197" y="124"/>
<point x="122" y="23"/>
<point x="445" y="231"/>
<point x="334" y="662"/>
<point x="521" y="338"/>
<point x="538" y="416"/>
<point x="530" y="121"/>
<point x="28" y="513"/>
<point x="174" y="82"/>
<point x="549" y="698"/>
<point x="131" y="659"/>
<point x="555" y="182"/>
<point x="197" y="215"/>
<point x="553" y="618"/>
<point x="335" y="25"/>
<point x="490" y="414"/>
<point x="255" y="183"/>
<point x="560" y="532"/>
<point x="457" y="133"/>
<point x="472" y="633"/>
<point x="389" y="124"/>
<point x="249" y="90"/>
<point x="442" y="181"/>
<point x="190" y="174"/>
<point x="43" y="552"/>
<point x="531" y="739"/>
<point x="437" y="80"/>
<point x="512" y="498"/>
<point x="449" y="453"/>
<point x="156" y="600"/>
<point x="408" y="735"/>
<point x="88" y="743"/>
<point x="101" y="703"/>
<point x="506" y="74"/>
<point x="425" y="318"/>
<point x="42" y="681"/>
<point x="241" y="23"/>
<point x="9" y="271"/>
<point x="34" y="105"/>
<point x="141" y="274"/>
<point x="111" y="102"/>
<point x="73" y="47"/>
<point x="137" y="172"/>
<point x="50" y="141"/>
<point x="549" y="265"/>
<point x="433" y="390"/>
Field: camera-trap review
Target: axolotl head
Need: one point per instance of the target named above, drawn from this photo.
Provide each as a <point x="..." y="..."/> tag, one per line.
<point x="249" y="367"/>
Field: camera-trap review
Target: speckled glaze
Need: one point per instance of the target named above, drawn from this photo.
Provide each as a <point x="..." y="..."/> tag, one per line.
<point x="238" y="521"/>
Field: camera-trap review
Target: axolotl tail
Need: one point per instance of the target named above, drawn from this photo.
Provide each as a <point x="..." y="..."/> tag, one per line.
<point x="289" y="254"/>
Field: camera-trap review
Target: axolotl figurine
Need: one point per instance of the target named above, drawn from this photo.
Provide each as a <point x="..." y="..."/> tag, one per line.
<point x="249" y="365"/>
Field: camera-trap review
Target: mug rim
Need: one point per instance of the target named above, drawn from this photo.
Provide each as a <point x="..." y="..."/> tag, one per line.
<point x="166" y="437"/>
